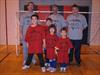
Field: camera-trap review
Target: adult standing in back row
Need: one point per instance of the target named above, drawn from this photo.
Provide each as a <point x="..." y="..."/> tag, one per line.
<point x="25" y="21"/>
<point x="76" y="24"/>
<point x="58" y="19"/>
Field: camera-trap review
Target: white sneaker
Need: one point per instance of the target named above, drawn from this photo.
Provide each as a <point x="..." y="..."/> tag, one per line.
<point x="53" y="70"/>
<point x="47" y="64"/>
<point x="49" y="68"/>
<point x="64" y="69"/>
<point x="25" y="67"/>
<point x="61" y="69"/>
<point x="43" y="69"/>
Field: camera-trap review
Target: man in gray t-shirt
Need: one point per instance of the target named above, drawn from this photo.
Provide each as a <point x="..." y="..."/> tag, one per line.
<point x="76" y="24"/>
<point x="58" y="19"/>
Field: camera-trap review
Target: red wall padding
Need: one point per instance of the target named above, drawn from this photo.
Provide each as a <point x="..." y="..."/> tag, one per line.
<point x="43" y="16"/>
<point x="67" y="8"/>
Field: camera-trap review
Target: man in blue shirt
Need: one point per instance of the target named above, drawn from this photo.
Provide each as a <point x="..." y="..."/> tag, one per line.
<point x="25" y="21"/>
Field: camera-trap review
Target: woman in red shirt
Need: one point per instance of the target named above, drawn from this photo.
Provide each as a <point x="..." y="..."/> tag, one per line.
<point x="35" y="39"/>
<point x="62" y="50"/>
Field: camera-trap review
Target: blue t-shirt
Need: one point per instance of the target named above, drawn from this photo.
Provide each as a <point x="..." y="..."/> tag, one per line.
<point x="25" y="21"/>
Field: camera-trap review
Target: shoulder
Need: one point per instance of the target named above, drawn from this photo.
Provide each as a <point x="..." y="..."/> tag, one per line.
<point x="67" y="38"/>
<point x="71" y="15"/>
<point x="81" y="16"/>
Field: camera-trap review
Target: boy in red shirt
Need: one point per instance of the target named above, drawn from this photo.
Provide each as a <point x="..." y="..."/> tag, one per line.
<point x="35" y="39"/>
<point x="62" y="50"/>
<point x="51" y="40"/>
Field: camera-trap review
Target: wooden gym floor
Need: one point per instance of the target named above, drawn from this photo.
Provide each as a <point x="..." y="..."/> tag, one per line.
<point x="10" y="64"/>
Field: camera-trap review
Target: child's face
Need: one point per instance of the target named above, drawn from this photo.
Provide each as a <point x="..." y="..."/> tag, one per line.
<point x="52" y="30"/>
<point x="48" y="22"/>
<point x="34" y="20"/>
<point x="63" y="33"/>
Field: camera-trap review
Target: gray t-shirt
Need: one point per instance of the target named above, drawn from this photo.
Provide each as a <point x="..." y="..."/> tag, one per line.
<point x="76" y="24"/>
<point x="59" y="21"/>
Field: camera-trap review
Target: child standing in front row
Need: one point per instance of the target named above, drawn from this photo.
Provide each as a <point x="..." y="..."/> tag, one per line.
<point x="35" y="39"/>
<point x="51" y="40"/>
<point x="46" y="31"/>
<point x="62" y="49"/>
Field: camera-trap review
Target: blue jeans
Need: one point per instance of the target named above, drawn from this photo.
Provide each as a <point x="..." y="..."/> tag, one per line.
<point x="25" y="51"/>
<point x="63" y="65"/>
<point x="53" y="63"/>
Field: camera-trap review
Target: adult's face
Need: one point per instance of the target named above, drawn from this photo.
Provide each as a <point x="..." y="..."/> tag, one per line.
<point x="30" y="7"/>
<point x="55" y="9"/>
<point x="75" y="10"/>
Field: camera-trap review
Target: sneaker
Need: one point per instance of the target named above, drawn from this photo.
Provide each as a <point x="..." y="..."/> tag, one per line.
<point x="43" y="69"/>
<point x="64" y="69"/>
<point x="49" y="68"/>
<point x="61" y="69"/>
<point x="25" y="67"/>
<point x="53" y="70"/>
<point x="47" y="64"/>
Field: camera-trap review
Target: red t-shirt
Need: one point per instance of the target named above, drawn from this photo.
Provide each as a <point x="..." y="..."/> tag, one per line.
<point x="64" y="45"/>
<point x="51" y="41"/>
<point x="34" y="38"/>
<point x="45" y="29"/>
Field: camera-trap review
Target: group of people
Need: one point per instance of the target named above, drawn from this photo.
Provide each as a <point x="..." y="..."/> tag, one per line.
<point x="58" y="39"/>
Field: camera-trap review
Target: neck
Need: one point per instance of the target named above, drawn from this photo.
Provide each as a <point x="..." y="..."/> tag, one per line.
<point x="55" y="13"/>
<point x="63" y="37"/>
<point x="33" y="25"/>
<point x="52" y="33"/>
<point x="30" y="10"/>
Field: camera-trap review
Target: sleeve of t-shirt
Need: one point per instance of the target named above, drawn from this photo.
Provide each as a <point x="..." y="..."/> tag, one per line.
<point x="84" y="22"/>
<point x="63" y="22"/>
<point x="58" y="44"/>
<point x="27" y="36"/>
<point x="22" y="20"/>
<point x="43" y="33"/>
<point x="67" y="21"/>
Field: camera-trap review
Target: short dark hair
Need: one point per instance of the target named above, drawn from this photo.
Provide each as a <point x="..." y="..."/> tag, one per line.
<point x="30" y="3"/>
<point x="49" y="19"/>
<point x="74" y="5"/>
<point x="64" y="29"/>
<point x="52" y="26"/>
<point x="34" y="15"/>
<point x="54" y="6"/>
